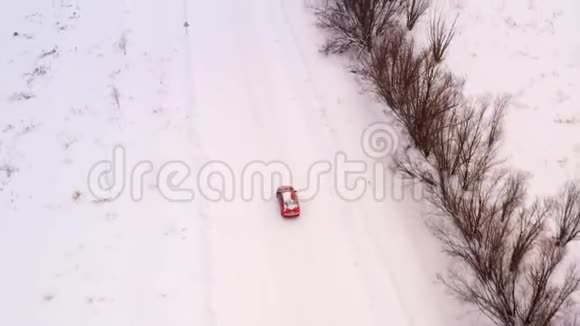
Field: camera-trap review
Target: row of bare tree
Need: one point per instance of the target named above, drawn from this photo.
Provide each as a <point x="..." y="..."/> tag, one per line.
<point x="508" y="254"/>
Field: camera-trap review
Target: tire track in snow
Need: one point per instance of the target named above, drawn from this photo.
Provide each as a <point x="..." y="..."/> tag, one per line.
<point x="266" y="113"/>
<point x="356" y="212"/>
<point x="313" y="279"/>
<point x="261" y="100"/>
<point x="243" y="292"/>
<point x="345" y="226"/>
<point x="194" y="139"/>
<point x="382" y="253"/>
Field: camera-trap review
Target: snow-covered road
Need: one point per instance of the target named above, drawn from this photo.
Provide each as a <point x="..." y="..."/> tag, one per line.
<point x="257" y="97"/>
<point x="192" y="81"/>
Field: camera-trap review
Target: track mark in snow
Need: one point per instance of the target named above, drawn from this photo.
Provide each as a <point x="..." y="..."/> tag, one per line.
<point x="356" y="213"/>
<point x="316" y="95"/>
<point x="198" y="157"/>
<point x="123" y="42"/>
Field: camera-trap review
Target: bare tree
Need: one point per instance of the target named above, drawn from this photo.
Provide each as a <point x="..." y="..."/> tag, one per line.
<point x="506" y="258"/>
<point x="568" y="214"/>
<point x="509" y="256"/>
<point x="463" y="146"/>
<point x="116" y="96"/>
<point x="122" y="43"/>
<point x="466" y="146"/>
<point x="414" y="9"/>
<point x="419" y="92"/>
<point x="392" y="67"/>
<point x="440" y="37"/>
<point x="429" y="102"/>
<point x="356" y="23"/>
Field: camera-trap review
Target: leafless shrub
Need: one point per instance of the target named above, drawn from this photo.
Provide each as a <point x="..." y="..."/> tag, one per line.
<point x="76" y="195"/>
<point x="39" y="71"/>
<point x="527" y="297"/>
<point x="21" y="96"/>
<point x="8" y="170"/>
<point x="116" y="95"/>
<point x="430" y="100"/>
<point x="48" y="53"/>
<point x="414" y="9"/>
<point x="440" y="37"/>
<point x="48" y="297"/>
<point x="568" y="214"/>
<point x="356" y="24"/>
<point x="60" y="27"/>
<point x="419" y="93"/>
<point x="465" y="146"/>
<point x="392" y="67"/>
<point x="508" y="260"/>
<point x="25" y="36"/>
<point x="8" y="127"/>
<point x="28" y="128"/>
<point x="122" y="43"/>
<point x="506" y="257"/>
<point x="569" y="121"/>
<point x="68" y="142"/>
<point x="462" y="146"/>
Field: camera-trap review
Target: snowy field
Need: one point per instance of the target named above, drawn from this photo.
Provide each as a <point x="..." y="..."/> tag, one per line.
<point x="238" y="82"/>
<point x="529" y="50"/>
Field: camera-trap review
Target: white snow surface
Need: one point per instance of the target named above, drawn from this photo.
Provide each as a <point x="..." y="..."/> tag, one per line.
<point x="242" y="81"/>
<point x="529" y="50"/>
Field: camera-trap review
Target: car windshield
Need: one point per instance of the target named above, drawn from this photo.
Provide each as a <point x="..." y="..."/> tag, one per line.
<point x="291" y="204"/>
<point x="288" y="201"/>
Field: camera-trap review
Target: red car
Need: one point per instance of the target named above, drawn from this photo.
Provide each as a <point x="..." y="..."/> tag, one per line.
<point x="288" y="200"/>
